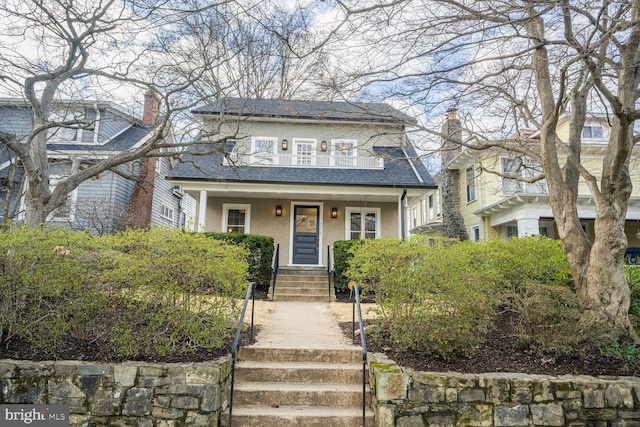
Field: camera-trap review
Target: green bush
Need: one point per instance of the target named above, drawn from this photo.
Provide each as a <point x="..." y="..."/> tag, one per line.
<point x="136" y="293"/>
<point x="260" y="253"/>
<point x="633" y="279"/>
<point x="342" y="253"/>
<point x="431" y="298"/>
<point x="548" y="318"/>
<point x="440" y="298"/>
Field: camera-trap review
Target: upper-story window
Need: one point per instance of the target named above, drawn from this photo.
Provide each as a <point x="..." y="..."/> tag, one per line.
<point x="431" y="208"/>
<point x="593" y="132"/>
<point x="69" y="133"/>
<point x="304" y="151"/>
<point x="471" y="184"/>
<point x="65" y="212"/>
<point x="527" y="169"/>
<point x="263" y="149"/>
<point x="344" y="152"/>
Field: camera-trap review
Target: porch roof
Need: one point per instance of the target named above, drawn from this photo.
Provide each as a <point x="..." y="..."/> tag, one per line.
<point x="402" y="169"/>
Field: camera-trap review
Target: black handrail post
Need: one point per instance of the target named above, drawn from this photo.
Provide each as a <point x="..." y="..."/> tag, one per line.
<point x="236" y="341"/>
<point x="363" y="342"/>
<point x="329" y="270"/>
<point x="275" y="264"/>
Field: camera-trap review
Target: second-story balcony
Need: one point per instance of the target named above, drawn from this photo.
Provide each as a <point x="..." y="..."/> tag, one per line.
<point x="308" y="161"/>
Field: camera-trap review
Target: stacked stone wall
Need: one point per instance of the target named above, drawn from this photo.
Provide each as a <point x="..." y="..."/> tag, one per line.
<point x="128" y="394"/>
<point x="406" y="398"/>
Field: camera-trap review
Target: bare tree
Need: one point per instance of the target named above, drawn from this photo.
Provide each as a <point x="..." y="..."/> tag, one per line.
<point x="516" y="64"/>
<point x="58" y="54"/>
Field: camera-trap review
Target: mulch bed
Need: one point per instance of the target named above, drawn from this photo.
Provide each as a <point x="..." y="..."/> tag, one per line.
<point x="500" y="352"/>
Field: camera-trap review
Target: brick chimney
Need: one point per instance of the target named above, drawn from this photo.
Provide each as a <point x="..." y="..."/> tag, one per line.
<point x="141" y="202"/>
<point x="151" y="107"/>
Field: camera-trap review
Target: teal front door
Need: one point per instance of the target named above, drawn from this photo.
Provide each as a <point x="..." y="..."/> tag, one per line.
<point x="306" y="234"/>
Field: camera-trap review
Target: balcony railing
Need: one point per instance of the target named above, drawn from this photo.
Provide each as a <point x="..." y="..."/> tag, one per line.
<point x="313" y="161"/>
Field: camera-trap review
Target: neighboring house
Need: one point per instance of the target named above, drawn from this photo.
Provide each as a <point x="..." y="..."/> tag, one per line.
<point x="307" y="173"/>
<point x="497" y="207"/>
<point x="109" y="201"/>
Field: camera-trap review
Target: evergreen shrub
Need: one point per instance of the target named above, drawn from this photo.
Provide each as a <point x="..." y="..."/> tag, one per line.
<point x="260" y="257"/>
<point x="137" y="293"/>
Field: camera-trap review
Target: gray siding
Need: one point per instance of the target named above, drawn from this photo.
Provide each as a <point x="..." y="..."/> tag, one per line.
<point x="183" y="208"/>
<point x="110" y="125"/>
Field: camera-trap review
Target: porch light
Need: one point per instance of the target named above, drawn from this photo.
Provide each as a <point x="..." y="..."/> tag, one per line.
<point x="334" y="212"/>
<point x="285" y="145"/>
<point x="278" y="210"/>
<point x="323" y="145"/>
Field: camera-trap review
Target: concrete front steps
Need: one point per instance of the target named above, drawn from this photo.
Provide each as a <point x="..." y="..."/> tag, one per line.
<point x="303" y="284"/>
<point x="299" y="387"/>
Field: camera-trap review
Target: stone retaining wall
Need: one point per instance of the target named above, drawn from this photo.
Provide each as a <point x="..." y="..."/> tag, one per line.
<point x="405" y="398"/>
<point x="128" y="394"/>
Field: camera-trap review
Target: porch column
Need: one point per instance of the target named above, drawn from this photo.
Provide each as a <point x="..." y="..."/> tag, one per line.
<point x="528" y="227"/>
<point x="202" y="211"/>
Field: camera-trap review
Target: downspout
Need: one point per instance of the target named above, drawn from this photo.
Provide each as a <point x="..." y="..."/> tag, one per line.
<point x="402" y="214"/>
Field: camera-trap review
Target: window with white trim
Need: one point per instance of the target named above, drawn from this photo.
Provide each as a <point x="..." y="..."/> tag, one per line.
<point x="235" y="218"/>
<point x="592" y="132"/>
<point x="263" y="149"/>
<point x="66" y="212"/>
<point x="525" y="168"/>
<point x="343" y="152"/>
<point x="69" y="133"/>
<point x="424" y="210"/>
<point x="304" y="152"/>
<point x="475" y="233"/>
<point x="438" y="204"/>
<point x="166" y="212"/>
<point x="471" y="184"/>
<point x="362" y="223"/>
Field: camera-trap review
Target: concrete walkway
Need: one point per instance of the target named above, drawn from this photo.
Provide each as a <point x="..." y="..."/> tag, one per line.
<point x="307" y="325"/>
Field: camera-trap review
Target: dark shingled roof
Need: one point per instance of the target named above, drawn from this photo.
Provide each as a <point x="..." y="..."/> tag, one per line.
<point x="121" y="142"/>
<point x="310" y="110"/>
<point x="397" y="172"/>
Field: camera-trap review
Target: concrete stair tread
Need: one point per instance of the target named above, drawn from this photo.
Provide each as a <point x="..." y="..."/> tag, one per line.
<point x="297" y="386"/>
<point x="255" y="352"/>
<point x="316" y="411"/>
<point x="248" y="364"/>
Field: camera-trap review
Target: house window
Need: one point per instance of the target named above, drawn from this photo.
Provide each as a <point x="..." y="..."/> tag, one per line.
<point x="363" y="223"/>
<point x="592" y="132"/>
<point x="512" y="231"/>
<point x="66" y="212"/>
<point x="415" y="217"/>
<point x="438" y="205"/>
<point x="475" y="233"/>
<point x="304" y="151"/>
<point x="263" y="149"/>
<point x="344" y="152"/>
<point x="471" y="184"/>
<point x="166" y="212"/>
<point x="70" y="133"/>
<point x="235" y="218"/>
<point x="527" y="169"/>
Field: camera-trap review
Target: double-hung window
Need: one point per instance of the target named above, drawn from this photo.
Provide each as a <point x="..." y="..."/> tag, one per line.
<point x="263" y="149"/>
<point x="65" y="212"/>
<point x="592" y="132"/>
<point x="344" y="152"/>
<point x="525" y="168"/>
<point x="235" y="218"/>
<point x="471" y="184"/>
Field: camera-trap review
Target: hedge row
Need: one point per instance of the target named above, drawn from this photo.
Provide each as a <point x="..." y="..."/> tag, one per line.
<point x="441" y="298"/>
<point x="132" y="294"/>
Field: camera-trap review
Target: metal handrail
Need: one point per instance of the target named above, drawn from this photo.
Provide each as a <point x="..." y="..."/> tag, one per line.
<point x="275" y="264"/>
<point x="363" y="342"/>
<point x="329" y="270"/>
<point x="236" y="340"/>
